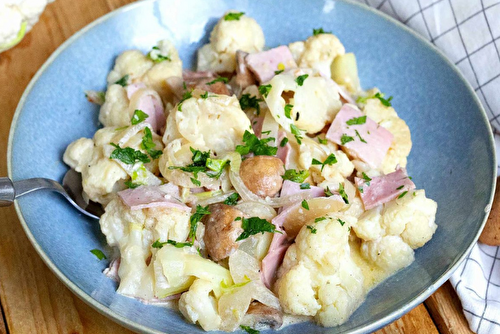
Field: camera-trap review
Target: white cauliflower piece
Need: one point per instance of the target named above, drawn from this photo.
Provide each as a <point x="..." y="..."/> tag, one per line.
<point x="17" y="18"/>
<point x="114" y="111"/>
<point x="389" y="252"/>
<point x="79" y="153"/>
<point x="227" y="37"/>
<point x="306" y="114"/>
<point x="199" y="305"/>
<point x="132" y="63"/>
<point x="401" y="145"/>
<point x="317" y="52"/>
<point x="318" y="276"/>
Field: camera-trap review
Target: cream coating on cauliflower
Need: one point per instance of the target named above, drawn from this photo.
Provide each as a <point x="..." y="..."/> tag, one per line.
<point x="318" y="276"/>
<point x="401" y="145"/>
<point x="227" y="37"/>
<point x="317" y="52"/>
<point x="389" y="252"/>
<point x="198" y="305"/>
<point x="114" y="111"/>
<point x="101" y="176"/>
<point x="132" y="63"/>
<point x="307" y="114"/>
<point x="133" y="232"/>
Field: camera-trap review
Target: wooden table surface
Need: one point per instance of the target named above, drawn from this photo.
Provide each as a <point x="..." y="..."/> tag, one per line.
<point x="32" y="298"/>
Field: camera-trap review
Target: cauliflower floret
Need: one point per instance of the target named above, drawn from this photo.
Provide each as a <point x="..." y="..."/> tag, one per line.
<point x="306" y="114"/>
<point x="132" y="63"/>
<point x="199" y="305"/>
<point x="390" y="252"/>
<point x="317" y="52"/>
<point x="101" y="176"/>
<point x="401" y="145"/>
<point x="227" y="37"/>
<point x="114" y="111"/>
<point x="318" y="276"/>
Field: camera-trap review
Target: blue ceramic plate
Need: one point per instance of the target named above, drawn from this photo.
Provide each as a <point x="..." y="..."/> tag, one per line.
<point x="452" y="158"/>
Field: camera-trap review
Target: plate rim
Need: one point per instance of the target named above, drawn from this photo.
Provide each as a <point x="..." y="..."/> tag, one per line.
<point x="132" y="325"/>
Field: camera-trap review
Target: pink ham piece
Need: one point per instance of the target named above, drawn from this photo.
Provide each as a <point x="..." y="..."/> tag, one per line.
<point x="152" y="196"/>
<point x="150" y="105"/>
<point x="383" y="189"/>
<point x="291" y="188"/>
<point x="274" y="257"/>
<point x="264" y="64"/>
<point x="377" y="139"/>
<point x="244" y="76"/>
<point x="285" y="151"/>
<point x="199" y="80"/>
<point x="133" y="88"/>
<point x="257" y="124"/>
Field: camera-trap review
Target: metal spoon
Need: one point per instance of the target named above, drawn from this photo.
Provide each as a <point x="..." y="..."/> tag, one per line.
<point x="71" y="189"/>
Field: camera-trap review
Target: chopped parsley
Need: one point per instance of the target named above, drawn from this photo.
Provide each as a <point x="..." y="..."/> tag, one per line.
<point x="305" y="205"/>
<point x="131" y="184"/>
<point x="266" y="132"/>
<point x="156" y="56"/>
<point x="360" y="190"/>
<point x="196" y="182"/>
<point x="122" y="128"/>
<point x="345" y="139"/>
<point x="185" y="96"/>
<point x="366" y="178"/>
<point x="202" y="163"/>
<point x="297" y="133"/>
<point x="359" y="136"/>
<point x="319" y="219"/>
<point x="249" y="329"/>
<point x="288" y="111"/>
<point x="328" y="192"/>
<point x="247" y="102"/>
<point x="195" y="218"/>
<point x="123" y="81"/>
<point x="255" y="225"/>
<point x="278" y="72"/>
<point x="357" y="121"/>
<point x="330" y="160"/>
<point x="322" y="141"/>
<point x="233" y="16"/>
<point x="312" y="229"/>
<point x="256" y="145"/>
<point x="204" y="95"/>
<point x="343" y="194"/>
<point x="219" y="79"/>
<point x="403" y="194"/>
<point x="283" y="142"/>
<point x="301" y="78"/>
<point x="399" y="188"/>
<point x="128" y="155"/>
<point x="380" y="96"/>
<point x="320" y="31"/>
<point x="232" y="199"/>
<point x="138" y="117"/>
<point x="148" y="144"/>
<point x="342" y="223"/>
<point x="295" y="175"/>
<point x="305" y="186"/>
<point x="98" y="254"/>
<point x="265" y="89"/>
<point x="158" y="244"/>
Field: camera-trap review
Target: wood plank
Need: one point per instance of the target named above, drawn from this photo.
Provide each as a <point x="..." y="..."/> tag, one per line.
<point x="416" y="321"/>
<point x="445" y="309"/>
<point x="3" y="326"/>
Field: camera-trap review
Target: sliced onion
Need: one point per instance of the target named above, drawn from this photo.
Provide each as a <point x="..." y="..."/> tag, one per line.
<point x="130" y="132"/>
<point x="215" y="199"/>
<point x="256" y="209"/>
<point x="278" y="202"/>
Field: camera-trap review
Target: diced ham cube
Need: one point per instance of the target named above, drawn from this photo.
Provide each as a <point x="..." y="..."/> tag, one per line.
<point x="383" y="189"/>
<point x="368" y="142"/>
<point x="274" y="257"/>
<point x="264" y="64"/>
<point x="291" y="188"/>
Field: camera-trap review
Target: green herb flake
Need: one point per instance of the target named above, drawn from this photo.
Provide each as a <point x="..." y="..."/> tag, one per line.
<point x="266" y="132"/>
<point x="219" y="79"/>
<point x="330" y="160"/>
<point x="322" y="141"/>
<point x="204" y="95"/>
<point x="345" y="139"/>
<point x="343" y="194"/>
<point x="138" y="117"/>
<point x="249" y="330"/>
<point x="295" y="175"/>
<point x="319" y="219"/>
<point x="342" y="223"/>
<point x="379" y="96"/>
<point x="255" y="225"/>
<point x="320" y="31"/>
<point x="366" y="178"/>
<point x="196" y="182"/>
<point x="248" y="102"/>
<point x="399" y="188"/>
<point x="312" y="229"/>
<point x="357" y="121"/>
<point x="149" y="145"/>
<point x="131" y="184"/>
<point x="185" y="96"/>
<point x="98" y="254"/>
<point x="305" y="205"/>
<point x="288" y="111"/>
<point x="179" y="244"/>
<point x="232" y="199"/>
<point x="233" y="16"/>
<point x="195" y="218"/>
<point x="265" y="89"/>
<point x="359" y="136"/>
<point x="123" y="81"/>
<point x="256" y="145"/>
<point x="360" y="190"/>
<point x="402" y="194"/>
<point x="122" y="128"/>
<point x="297" y="133"/>
<point x="301" y="78"/>
<point x="156" y="56"/>
<point x="278" y="72"/>
<point x="305" y="186"/>
<point x="128" y="155"/>
<point x="283" y="142"/>
<point x="328" y="192"/>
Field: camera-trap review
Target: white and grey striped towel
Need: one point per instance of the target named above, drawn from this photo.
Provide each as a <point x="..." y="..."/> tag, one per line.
<point x="468" y="32"/>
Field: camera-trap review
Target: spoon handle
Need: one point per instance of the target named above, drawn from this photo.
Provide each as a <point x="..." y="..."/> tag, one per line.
<point x="7" y="192"/>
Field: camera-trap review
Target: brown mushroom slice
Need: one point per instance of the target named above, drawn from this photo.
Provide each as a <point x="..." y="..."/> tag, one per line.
<point x="222" y="230"/>
<point x="296" y="216"/>
<point x="262" y="175"/>
<point x="259" y="314"/>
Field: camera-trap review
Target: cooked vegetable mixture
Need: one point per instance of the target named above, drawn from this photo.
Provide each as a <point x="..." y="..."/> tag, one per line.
<point x="263" y="189"/>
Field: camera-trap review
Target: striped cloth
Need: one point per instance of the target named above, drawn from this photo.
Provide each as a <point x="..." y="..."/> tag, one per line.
<point x="468" y="32"/>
